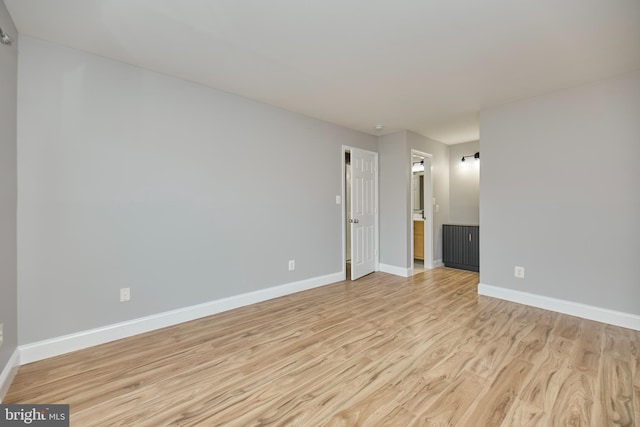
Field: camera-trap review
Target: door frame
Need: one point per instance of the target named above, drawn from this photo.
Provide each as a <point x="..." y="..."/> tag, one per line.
<point x="345" y="215"/>
<point x="428" y="207"/>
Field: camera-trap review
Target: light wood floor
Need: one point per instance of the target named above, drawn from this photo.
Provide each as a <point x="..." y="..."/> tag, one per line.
<point x="382" y="350"/>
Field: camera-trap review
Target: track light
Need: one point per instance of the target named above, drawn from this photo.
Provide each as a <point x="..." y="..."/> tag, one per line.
<point x="475" y="156"/>
<point x="5" y="38"/>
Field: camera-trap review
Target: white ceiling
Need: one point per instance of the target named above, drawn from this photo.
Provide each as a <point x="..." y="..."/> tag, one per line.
<point x="423" y="65"/>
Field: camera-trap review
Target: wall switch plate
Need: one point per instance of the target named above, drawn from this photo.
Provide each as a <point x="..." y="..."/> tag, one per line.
<point x="338" y="200"/>
<point x="292" y="265"/>
<point x="125" y="294"/>
<point x="1" y="333"/>
<point x="519" y="272"/>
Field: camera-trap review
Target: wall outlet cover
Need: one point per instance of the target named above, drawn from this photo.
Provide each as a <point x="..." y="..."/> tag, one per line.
<point x="519" y="272"/>
<point x="125" y="294"/>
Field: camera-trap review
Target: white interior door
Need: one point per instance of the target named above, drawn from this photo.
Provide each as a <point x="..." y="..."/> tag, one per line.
<point x="363" y="216"/>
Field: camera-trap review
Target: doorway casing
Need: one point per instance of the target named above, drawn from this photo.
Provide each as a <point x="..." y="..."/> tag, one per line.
<point x="428" y="210"/>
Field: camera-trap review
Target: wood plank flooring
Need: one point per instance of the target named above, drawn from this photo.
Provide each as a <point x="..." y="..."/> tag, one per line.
<point x="383" y="350"/>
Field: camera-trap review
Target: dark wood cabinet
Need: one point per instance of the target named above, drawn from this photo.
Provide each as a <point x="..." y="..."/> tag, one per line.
<point x="461" y="246"/>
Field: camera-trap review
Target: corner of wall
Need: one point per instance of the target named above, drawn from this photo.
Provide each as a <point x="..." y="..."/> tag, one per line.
<point x="8" y="373"/>
<point x="8" y="201"/>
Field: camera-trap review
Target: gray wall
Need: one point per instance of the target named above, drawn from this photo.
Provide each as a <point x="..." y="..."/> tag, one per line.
<point x="560" y="189"/>
<point x="394" y="175"/>
<point x="394" y="152"/>
<point x="440" y="176"/>
<point x="464" y="181"/>
<point x="181" y="192"/>
<point x="8" y="189"/>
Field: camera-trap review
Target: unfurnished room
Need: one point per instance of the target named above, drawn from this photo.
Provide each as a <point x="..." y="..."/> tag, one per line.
<point x="290" y="213"/>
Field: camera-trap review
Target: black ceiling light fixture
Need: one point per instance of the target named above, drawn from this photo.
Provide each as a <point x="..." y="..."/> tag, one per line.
<point x="5" y="38"/>
<point x="475" y="156"/>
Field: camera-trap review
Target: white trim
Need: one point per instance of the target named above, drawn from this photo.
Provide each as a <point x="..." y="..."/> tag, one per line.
<point x="398" y="271"/>
<point x="599" y="314"/>
<point x="428" y="206"/>
<point x="8" y="373"/>
<point x="79" y="340"/>
<point x="438" y="263"/>
<point x="343" y="210"/>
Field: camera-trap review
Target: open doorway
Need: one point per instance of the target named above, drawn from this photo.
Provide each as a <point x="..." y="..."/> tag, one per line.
<point x="421" y="211"/>
<point x="347" y="208"/>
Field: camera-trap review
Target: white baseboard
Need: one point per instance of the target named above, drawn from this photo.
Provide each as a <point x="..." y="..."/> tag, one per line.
<point x="398" y="271"/>
<point x="612" y="317"/>
<point x="8" y="373"/>
<point x="404" y="272"/>
<point x="55" y="346"/>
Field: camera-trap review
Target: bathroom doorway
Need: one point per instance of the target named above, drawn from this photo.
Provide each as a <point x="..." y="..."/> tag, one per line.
<point x="421" y="211"/>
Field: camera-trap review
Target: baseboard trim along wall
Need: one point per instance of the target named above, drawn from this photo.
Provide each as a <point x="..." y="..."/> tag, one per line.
<point x="397" y="271"/>
<point x="8" y="373"/>
<point x="604" y="315"/>
<point x="60" y="345"/>
<point x="404" y="272"/>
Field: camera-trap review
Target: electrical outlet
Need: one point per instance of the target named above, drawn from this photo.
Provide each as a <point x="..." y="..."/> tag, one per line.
<point x="519" y="272"/>
<point x="292" y="265"/>
<point x="125" y="294"/>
